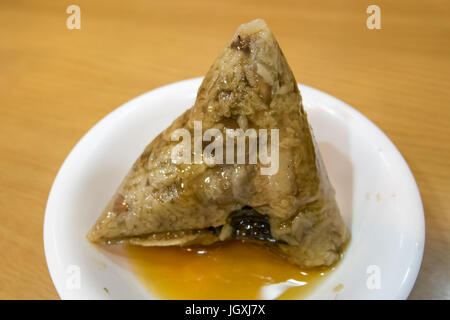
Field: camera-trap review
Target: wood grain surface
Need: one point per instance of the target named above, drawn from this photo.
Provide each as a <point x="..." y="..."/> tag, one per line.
<point x="56" y="83"/>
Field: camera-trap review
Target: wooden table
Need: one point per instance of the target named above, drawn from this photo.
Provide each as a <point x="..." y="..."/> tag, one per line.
<point x="56" y="83"/>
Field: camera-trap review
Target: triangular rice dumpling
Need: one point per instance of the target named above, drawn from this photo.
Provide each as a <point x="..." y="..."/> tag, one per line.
<point x="163" y="202"/>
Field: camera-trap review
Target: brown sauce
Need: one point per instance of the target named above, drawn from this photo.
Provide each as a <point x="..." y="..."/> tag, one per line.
<point x="229" y="270"/>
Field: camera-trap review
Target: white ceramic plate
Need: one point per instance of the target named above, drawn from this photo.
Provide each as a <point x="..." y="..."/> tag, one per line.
<point x="375" y="190"/>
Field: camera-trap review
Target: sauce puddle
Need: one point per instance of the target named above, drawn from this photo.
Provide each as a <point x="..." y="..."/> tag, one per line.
<point x="229" y="270"/>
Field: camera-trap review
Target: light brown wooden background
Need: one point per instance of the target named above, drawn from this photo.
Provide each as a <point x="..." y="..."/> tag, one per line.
<point x="57" y="83"/>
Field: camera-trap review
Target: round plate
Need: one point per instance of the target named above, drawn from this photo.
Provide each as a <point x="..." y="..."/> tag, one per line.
<point x="375" y="190"/>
